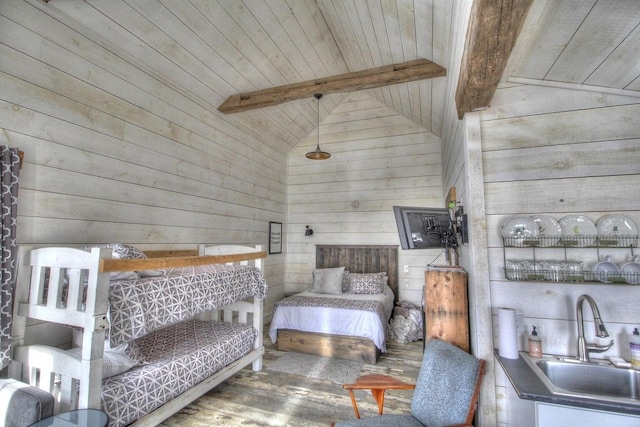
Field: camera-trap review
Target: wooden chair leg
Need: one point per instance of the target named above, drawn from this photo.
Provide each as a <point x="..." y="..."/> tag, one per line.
<point x="355" y="405"/>
<point x="378" y="395"/>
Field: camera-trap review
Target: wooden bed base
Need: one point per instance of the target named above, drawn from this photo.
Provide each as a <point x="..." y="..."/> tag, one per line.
<point x="327" y="345"/>
<point x="356" y="259"/>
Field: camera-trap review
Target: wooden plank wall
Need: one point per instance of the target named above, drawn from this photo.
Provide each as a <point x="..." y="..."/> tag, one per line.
<point x="576" y="153"/>
<point x="116" y="151"/>
<point x="557" y="152"/>
<point x="361" y="259"/>
<point x="379" y="159"/>
<point x="462" y="169"/>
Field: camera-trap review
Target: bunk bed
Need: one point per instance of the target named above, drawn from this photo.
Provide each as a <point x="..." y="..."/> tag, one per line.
<point x="176" y="325"/>
<point x="342" y="325"/>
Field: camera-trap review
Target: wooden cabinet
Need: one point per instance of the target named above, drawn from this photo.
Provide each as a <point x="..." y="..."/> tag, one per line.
<point x="446" y="305"/>
<point x="567" y="416"/>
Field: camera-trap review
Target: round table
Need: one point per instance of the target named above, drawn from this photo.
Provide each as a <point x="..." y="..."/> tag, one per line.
<point x="79" y="417"/>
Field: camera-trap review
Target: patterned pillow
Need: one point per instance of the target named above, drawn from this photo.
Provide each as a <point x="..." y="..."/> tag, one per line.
<point x="126" y="251"/>
<point x="131" y="252"/>
<point x="121" y="251"/>
<point x="366" y="283"/>
<point x="345" y="282"/>
<point x="114" y="361"/>
<point x="328" y="280"/>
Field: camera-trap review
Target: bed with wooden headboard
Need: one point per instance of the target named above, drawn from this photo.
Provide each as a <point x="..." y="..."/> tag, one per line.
<point x="355" y="259"/>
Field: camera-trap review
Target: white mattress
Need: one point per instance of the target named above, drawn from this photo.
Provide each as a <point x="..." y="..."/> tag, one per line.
<point x="338" y="321"/>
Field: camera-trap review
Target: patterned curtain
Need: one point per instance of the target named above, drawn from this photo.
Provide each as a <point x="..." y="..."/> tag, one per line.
<point x="9" y="178"/>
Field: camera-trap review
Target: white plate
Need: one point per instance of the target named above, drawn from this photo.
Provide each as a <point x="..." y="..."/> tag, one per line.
<point x="550" y="230"/>
<point x="613" y="225"/>
<point x="518" y="229"/>
<point x="578" y="230"/>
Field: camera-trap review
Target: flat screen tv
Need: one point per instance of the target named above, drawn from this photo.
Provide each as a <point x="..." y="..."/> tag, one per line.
<point x="422" y="228"/>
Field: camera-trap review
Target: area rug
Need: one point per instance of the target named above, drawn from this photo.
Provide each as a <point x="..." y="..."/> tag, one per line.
<point x="325" y="368"/>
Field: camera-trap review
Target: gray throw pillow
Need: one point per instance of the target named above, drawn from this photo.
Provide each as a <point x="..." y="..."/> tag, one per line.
<point x="328" y="280"/>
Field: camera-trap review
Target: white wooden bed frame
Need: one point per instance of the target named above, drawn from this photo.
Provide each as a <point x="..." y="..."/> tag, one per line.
<point x="88" y="369"/>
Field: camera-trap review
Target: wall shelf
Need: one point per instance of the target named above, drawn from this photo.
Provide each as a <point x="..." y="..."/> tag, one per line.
<point x="533" y="267"/>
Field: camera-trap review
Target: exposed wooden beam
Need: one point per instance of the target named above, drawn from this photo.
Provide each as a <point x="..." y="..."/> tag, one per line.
<point x="374" y="77"/>
<point x="494" y="27"/>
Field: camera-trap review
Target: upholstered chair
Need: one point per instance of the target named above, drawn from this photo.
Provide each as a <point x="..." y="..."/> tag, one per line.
<point x="22" y="405"/>
<point x="446" y="391"/>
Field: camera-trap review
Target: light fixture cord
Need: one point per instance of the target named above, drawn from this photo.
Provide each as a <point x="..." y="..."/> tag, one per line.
<point x="318" y="96"/>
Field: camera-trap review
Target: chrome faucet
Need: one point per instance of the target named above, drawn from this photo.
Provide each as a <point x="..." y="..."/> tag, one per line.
<point x="583" y="346"/>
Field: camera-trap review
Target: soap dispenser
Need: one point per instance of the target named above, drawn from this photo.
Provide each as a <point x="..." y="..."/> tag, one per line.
<point x="634" y="342"/>
<point x="535" y="344"/>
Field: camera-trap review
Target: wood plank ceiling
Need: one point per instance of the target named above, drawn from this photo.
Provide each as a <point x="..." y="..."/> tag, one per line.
<point x="593" y="44"/>
<point x="212" y="49"/>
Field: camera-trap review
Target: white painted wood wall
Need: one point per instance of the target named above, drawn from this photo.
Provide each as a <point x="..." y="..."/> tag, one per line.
<point x="115" y="153"/>
<point x="532" y="148"/>
<point x="462" y="169"/>
<point x="118" y="150"/>
<point x="379" y="159"/>
<point x="559" y="152"/>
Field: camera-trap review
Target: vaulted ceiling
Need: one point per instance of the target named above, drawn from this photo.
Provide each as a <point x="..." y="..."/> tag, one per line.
<point x="594" y="44"/>
<point x="211" y="50"/>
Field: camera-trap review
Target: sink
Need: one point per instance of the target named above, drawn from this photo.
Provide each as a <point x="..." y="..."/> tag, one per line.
<point x="597" y="379"/>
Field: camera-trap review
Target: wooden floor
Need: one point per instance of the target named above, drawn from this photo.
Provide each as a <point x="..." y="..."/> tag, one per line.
<point x="269" y="398"/>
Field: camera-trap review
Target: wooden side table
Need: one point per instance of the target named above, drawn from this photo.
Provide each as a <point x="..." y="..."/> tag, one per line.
<point x="378" y="384"/>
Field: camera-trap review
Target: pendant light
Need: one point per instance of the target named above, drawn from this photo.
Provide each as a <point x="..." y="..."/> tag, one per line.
<point x="318" y="154"/>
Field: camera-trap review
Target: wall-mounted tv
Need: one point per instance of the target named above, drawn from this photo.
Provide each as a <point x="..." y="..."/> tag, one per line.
<point x="422" y="228"/>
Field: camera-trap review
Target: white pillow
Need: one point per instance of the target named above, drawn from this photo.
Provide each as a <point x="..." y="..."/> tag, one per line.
<point x="124" y="275"/>
<point x="114" y="361"/>
<point x="151" y="273"/>
<point x="328" y="280"/>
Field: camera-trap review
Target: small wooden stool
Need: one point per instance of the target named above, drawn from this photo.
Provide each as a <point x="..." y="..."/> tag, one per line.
<point x="378" y="384"/>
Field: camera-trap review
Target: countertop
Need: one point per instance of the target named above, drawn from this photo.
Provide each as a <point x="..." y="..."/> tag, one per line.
<point x="528" y="386"/>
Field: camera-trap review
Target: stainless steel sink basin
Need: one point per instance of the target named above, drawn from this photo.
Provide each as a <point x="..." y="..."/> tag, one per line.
<point x="596" y="380"/>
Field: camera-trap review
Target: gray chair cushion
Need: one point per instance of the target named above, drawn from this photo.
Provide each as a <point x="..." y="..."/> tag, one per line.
<point x="387" y="420"/>
<point x="23" y="405"/>
<point x="445" y="385"/>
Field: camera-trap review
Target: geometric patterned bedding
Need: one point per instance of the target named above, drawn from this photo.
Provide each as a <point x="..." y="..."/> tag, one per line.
<point x="362" y="326"/>
<point x="347" y="304"/>
<point x="175" y="359"/>
<point x="139" y="306"/>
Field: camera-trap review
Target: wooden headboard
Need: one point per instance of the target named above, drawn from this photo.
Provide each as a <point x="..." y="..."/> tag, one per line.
<point x="361" y="259"/>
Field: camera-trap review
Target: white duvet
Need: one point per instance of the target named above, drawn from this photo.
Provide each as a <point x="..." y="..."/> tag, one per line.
<point x="337" y="321"/>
